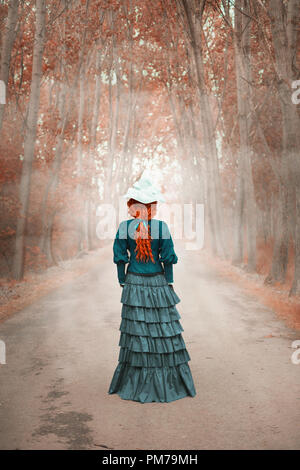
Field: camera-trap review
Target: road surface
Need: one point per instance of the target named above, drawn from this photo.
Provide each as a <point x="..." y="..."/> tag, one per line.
<point x="62" y="352"/>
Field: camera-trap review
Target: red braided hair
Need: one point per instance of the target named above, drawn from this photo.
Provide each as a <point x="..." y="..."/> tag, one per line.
<point x="142" y="235"/>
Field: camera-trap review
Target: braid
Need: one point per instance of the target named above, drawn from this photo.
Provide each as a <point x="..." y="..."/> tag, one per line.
<point x="142" y="235"/>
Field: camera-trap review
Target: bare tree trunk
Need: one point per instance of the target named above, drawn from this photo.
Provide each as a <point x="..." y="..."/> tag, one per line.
<point x="245" y="189"/>
<point x="281" y="239"/>
<point x="239" y="215"/>
<point x="7" y="45"/>
<point x="30" y="137"/>
<point x="53" y="180"/>
<point x="114" y="120"/>
<point x="49" y="249"/>
<point x="127" y="170"/>
<point x="92" y="146"/>
<point x="90" y="224"/>
<point x="79" y="216"/>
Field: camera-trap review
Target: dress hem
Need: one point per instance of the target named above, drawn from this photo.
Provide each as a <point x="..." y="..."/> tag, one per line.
<point x="179" y="397"/>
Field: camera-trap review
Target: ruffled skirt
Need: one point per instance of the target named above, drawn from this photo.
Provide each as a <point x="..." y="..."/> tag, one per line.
<point x="153" y="359"/>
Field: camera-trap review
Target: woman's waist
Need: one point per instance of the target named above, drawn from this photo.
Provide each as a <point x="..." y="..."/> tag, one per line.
<point x="145" y="274"/>
<point x="145" y="269"/>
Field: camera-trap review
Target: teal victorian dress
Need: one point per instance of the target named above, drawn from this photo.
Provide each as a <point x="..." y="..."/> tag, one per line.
<point x="153" y="359"/>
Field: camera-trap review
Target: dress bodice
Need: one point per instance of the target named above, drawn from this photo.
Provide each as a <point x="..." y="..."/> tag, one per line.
<point x="161" y="244"/>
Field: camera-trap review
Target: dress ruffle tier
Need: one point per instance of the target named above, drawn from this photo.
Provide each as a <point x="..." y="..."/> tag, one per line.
<point x="153" y="359"/>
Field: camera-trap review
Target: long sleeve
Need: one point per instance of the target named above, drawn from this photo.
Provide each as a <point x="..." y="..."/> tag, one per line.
<point x="167" y="254"/>
<point x="120" y="252"/>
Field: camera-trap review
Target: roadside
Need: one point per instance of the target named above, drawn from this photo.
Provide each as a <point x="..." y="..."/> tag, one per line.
<point x="16" y="295"/>
<point x="275" y="297"/>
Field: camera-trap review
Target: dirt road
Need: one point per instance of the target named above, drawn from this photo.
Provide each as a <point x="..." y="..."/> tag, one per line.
<point x="62" y="351"/>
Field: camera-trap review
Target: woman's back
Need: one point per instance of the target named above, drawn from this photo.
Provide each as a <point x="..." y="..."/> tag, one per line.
<point x="161" y="244"/>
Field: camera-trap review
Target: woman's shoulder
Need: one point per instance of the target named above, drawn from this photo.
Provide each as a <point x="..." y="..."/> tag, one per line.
<point x="165" y="232"/>
<point x="122" y="229"/>
<point x="161" y="228"/>
<point x="127" y="228"/>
